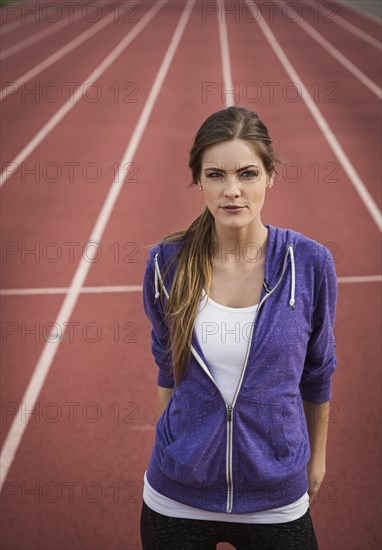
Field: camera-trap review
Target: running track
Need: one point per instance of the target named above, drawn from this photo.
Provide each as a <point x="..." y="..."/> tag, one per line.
<point x="98" y="116"/>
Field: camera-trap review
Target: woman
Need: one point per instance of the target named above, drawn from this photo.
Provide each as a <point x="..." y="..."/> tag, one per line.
<point x="242" y="318"/>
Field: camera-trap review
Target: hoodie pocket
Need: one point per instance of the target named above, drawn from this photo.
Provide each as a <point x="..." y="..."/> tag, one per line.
<point x="259" y="439"/>
<point x="262" y="454"/>
<point x="293" y="424"/>
<point x="197" y="455"/>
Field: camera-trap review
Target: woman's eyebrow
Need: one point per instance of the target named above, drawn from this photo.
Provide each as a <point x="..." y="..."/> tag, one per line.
<point x="239" y="169"/>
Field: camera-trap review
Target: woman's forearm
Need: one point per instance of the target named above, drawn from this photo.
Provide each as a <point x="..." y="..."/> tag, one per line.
<point x="317" y="420"/>
<point x="317" y="416"/>
<point x="164" y="396"/>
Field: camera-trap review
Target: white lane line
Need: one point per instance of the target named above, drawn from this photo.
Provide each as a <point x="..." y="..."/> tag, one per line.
<point x="344" y="61"/>
<point x="340" y="21"/>
<point x="143" y="427"/>
<point x="13" y="87"/>
<point x="5" y="29"/>
<point x="41" y="35"/>
<point x="360" y="11"/>
<point x="44" y="363"/>
<point x="361" y="279"/>
<point x="13" y="166"/>
<point x="16" y="24"/>
<point x="223" y="37"/>
<point x="65" y="290"/>
<point x="138" y="288"/>
<point x="355" y="179"/>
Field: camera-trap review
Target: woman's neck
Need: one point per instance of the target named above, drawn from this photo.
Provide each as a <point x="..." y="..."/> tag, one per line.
<point x="230" y="249"/>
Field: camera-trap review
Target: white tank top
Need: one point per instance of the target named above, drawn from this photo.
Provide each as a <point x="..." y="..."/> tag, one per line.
<point x="223" y="334"/>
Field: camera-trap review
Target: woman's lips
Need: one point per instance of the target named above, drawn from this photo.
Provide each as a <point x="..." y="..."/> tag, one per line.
<point x="232" y="209"/>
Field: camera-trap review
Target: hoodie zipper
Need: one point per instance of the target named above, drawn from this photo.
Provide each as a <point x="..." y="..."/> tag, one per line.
<point x="230" y="418"/>
<point x="229" y="458"/>
<point x="230" y="407"/>
<point x="230" y="412"/>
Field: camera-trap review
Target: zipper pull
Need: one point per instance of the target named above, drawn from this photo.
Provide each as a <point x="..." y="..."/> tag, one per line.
<point x="229" y="410"/>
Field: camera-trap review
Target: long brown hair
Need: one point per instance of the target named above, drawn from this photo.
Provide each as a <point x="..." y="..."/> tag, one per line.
<point x="194" y="264"/>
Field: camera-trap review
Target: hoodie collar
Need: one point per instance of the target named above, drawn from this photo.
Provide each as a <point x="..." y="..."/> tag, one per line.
<point x="281" y="244"/>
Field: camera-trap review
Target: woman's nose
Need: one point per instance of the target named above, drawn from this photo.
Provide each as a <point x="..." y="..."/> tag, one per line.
<point x="232" y="185"/>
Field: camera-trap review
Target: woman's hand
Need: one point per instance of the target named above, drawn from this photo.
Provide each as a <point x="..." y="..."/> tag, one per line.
<point x="316" y="473"/>
<point x="164" y="396"/>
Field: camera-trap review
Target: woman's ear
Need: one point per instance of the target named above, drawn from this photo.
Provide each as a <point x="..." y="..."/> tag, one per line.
<point x="270" y="180"/>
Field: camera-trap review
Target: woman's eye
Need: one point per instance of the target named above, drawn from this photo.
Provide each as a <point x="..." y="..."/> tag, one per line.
<point x="248" y="174"/>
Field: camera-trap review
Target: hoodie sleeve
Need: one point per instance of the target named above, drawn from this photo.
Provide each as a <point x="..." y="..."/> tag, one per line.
<point x="159" y="330"/>
<point x="320" y="361"/>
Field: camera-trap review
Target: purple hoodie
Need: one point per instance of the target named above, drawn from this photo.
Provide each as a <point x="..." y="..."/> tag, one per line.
<point x="251" y="454"/>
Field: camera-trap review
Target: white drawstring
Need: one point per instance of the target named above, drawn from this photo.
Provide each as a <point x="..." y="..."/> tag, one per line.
<point x="156" y="278"/>
<point x="292" y="300"/>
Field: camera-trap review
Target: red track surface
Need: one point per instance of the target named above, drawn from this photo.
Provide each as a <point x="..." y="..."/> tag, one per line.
<point x="73" y="460"/>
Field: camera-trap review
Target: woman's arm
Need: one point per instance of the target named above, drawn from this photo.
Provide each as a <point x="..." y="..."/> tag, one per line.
<point x="164" y="396"/>
<point x="319" y="366"/>
<point x="317" y="415"/>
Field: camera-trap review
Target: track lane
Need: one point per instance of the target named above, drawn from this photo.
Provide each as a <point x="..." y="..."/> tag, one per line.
<point x="35" y="86"/>
<point x="18" y="12"/>
<point x="362" y="62"/>
<point x="353" y="472"/>
<point x="361" y="20"/>
<point x="56" y="26"/>
<point x="93" y="165"/>
<point x="41" y="62"/>
<point x="336" y="92"/>
<point x="326" y="15"/>
<point x="59" y="201"/>
<point x="41" y="23"/>
<point x="77" y="90"/>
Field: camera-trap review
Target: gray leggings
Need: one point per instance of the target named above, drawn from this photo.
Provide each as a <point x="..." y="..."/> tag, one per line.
<point x="160" y="532"/>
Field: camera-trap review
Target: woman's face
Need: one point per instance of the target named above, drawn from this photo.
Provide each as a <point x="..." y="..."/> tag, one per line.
<point x="233" y="174"/>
